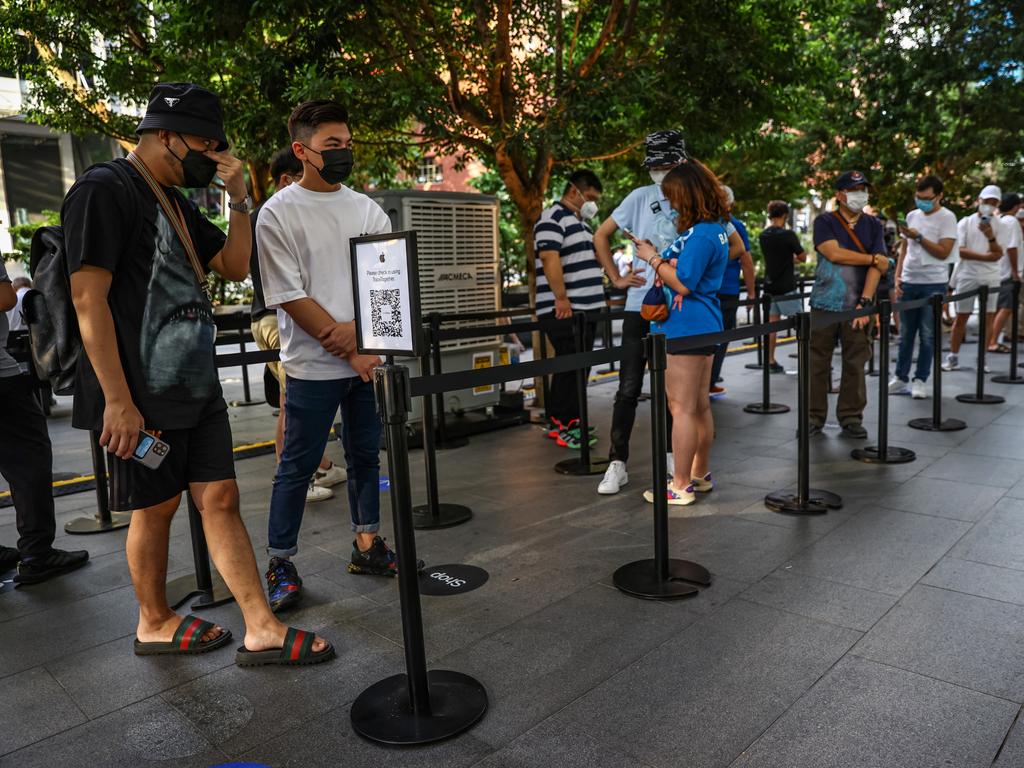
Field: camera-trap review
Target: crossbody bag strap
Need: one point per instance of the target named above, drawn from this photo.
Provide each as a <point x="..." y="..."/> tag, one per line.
<point x="176" y="218"/>
<point x="849" y="231"/>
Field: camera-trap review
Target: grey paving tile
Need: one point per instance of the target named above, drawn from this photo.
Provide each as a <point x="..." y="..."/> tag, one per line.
<point x="822" y="600"/>
<point x="701" y="698"/>
<point x="880" y="550"/>
<point x="979" y="579"/>
<point x="962" y="639"/>
<point x="39" y="708"/>
<point x="944" y="498"/>
<point x="871" y="716"/>
<point x="998" y="539"/>
<point x="1012" y="753"/>
<point x="981" y="470"/>
<point x="1017" y="491"/>
<point x="997" y="440"/>
<point x="147" y="732"/>
<point x="547" y="745"/>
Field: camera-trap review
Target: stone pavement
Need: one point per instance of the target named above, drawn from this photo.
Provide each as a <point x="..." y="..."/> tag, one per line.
<point x="886" y="634"/>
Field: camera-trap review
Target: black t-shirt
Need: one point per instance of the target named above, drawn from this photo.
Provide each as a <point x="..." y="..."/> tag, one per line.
<point x="164" y="323"/>
<point x="259" y="303"/>
<point x="779" y="245"/>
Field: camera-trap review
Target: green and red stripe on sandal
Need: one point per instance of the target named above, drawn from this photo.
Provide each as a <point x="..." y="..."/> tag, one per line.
<point x="188" y="639"/>
<point x="297" y="650"/>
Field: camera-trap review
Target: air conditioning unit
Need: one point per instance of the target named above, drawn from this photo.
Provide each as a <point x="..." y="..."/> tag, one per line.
<point x="457" y="244"/>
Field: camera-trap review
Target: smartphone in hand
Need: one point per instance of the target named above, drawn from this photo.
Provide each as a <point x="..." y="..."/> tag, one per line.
<point x="150" y="451"/>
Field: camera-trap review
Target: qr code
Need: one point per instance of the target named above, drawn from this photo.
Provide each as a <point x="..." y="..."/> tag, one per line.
<point x="386" y="313"/>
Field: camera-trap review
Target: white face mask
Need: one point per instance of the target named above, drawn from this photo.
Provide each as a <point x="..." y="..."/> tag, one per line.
<point x="658" y="176"/>
<point x="856" y="201"/>
<point x="1020" y="213"/>
<point x="588" y="210"/>
<point x="986" y="209"/>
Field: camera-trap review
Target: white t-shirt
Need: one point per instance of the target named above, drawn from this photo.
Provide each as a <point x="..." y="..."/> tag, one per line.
<point x="303" y="240"/>
<point x="1005" y="273"/>
<point x="919" y="266"/>
<point x="973" y="239"/>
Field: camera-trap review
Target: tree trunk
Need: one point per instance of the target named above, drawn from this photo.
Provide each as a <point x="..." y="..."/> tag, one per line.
<point x="259" y="179"/>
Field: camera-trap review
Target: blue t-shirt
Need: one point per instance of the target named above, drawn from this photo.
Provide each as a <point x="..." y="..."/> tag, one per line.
<point x="648" y="215"/>
<point x="838" y="287"/>
<point x="731" y="280"/>
<point x="703" y="252"/>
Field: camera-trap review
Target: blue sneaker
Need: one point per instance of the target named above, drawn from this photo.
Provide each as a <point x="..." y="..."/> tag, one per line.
<point x="284" y="585"/>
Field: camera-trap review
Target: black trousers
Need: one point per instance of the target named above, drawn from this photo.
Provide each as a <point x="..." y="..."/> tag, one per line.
<point x="26" y="463"/>
<point x="631" y="382"/>
<point x="563" y="398"/>
<point x="730" y="303"/>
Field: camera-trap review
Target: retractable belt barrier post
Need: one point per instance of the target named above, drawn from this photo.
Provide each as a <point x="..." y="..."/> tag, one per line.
<point x="806" y="500"/>
<point x="936" y="422"/>
<point x="104" y="520"/>
<point x="762" y="344"/>
<point x="444" y="442"/>
<point x="1012" y="377"/>
<point x="979" y="397"/>
<point x="418" y="707"/>
<point x="434" y="514"/>
<point x="585" y="464"/>
<point x="882" y="452"/>
<point x="766" y="406"/>
<point x="204" y="582"/>
<point x="662" y="578"/>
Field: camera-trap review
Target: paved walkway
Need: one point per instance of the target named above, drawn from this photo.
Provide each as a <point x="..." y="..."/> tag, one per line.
<point x="886" y="634"/>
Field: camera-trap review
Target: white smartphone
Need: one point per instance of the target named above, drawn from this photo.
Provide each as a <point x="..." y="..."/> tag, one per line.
<point x="150" y="451"/>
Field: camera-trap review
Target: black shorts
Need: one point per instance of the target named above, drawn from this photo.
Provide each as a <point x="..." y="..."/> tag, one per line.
<point x="698" y="351"/>
<point x="1005" y="295"/>
<point x="201" y="454"/>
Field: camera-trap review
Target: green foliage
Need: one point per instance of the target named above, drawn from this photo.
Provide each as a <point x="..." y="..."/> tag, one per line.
<point x="21" y="234"/>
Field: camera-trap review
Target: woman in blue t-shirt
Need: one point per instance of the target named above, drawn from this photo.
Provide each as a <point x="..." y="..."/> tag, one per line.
<point x="691" y="269"/>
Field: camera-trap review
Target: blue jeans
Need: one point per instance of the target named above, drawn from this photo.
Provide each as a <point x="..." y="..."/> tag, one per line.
<point x="309" y="410"/>
<point x="913" y="322"/>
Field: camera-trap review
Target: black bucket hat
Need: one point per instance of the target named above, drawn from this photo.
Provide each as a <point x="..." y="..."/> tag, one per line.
<point x="185" y="108"/>
<point x="664" y="148"/>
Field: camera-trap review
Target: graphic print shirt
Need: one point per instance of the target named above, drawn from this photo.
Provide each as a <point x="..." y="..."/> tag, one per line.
<point x="164" y="323"/>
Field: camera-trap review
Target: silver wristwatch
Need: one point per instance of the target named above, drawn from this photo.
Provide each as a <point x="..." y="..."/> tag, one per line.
<point x="243" y="207"/>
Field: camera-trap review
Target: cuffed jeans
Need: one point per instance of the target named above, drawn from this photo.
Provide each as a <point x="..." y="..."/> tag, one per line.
<point x="309" y="411"/>
<point x="631" y="382"/>
<point x="913" y="322"/>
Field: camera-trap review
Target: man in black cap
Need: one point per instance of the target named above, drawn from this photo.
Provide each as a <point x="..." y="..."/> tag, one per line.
<point x="851" y="259"/>
<point x="139" y="253"/>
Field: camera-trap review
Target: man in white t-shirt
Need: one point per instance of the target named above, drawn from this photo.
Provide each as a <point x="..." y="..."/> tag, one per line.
<point x="922" y="272"/>
<point x="303" y="234"/>
<point x="1009" y="270"/>
<point x="983" y="238"/>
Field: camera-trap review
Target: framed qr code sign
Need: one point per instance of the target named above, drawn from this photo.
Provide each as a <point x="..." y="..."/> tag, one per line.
<point x="385" y="278"/>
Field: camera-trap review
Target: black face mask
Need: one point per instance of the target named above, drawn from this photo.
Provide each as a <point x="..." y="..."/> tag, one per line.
<point x="337" y="164"/>
<point x="199" y="169"/>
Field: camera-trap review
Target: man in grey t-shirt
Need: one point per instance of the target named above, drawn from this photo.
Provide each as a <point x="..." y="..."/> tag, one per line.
<point x="26" y="463"/>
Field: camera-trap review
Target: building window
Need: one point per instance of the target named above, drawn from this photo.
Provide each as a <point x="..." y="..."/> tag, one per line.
<point x="428" y="171"/>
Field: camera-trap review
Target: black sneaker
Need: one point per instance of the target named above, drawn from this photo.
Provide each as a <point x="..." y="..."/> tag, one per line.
<point x="775" y="368"/>
<point x="812" y="430"/>
<point x="284" y="585"/>
<point x="378" y="560"/>
<point x="854" y="430"/>
<point x="37" y="568"/>
<point x="9" y="558"/>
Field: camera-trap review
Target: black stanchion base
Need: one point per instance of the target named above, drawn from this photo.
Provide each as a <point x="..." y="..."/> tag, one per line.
<point x="640" y="579"/>
<point x="451" y="443"/>
<point x="383" y="713"/>
<point x="577" y="468"/>
<point x="949" y="425"/>
<point x="1008" y="379"/>
<point x="766" y="409"/>
<point x="244" y="403"/>
<point x="448" y="515"/>
<point x="983" y="400"/>
<point x="181" y="589"/>
<point x="893" y="455"/>
<point x="84" y="526"/>
<point x="790" y="504"/>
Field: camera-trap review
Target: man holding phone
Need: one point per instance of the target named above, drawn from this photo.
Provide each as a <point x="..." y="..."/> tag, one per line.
<point x="922" y="272"/>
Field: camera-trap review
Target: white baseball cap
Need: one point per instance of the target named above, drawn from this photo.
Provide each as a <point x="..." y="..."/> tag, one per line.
<point x="991" y="191"/>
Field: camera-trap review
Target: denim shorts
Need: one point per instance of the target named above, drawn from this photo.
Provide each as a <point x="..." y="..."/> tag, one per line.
<point x="785" y="307"/>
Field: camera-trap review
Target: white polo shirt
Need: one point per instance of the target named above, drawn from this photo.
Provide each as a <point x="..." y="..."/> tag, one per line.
<point x="973" y="239"/>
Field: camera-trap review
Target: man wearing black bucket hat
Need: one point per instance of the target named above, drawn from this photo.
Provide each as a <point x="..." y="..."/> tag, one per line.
<point x="139" y="254"/>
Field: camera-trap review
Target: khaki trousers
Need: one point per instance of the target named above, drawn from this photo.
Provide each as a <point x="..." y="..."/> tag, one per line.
<point x="853" y="387"/>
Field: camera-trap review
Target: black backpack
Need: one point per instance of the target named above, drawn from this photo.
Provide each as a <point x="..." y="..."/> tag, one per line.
<point x="54" y="339"/>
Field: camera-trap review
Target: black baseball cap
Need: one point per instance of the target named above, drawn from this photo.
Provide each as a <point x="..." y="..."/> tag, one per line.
<point x="664" y="148"/>
<point x="852" y="179"/>
<point x="185" y="108"/>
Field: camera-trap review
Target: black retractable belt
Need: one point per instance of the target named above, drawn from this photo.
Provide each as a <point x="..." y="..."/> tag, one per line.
<point x="979" y="397"/>
<point x="444" y="441"/>
<point x="882" y="452"/>
<point x="662" y="578"/>
<point x="104" y="520"/>
<point x="1012" y="377"/>
<point x="766" y="406"/>
<point x="762" y="344"/>
<point x="434" y="514"/>
<point x="936" y="422"/>
<point x="806" y="500"/>
<point x="204" y="581"/>
<point x="585" y="464"/>
<point x="417" y="707"/>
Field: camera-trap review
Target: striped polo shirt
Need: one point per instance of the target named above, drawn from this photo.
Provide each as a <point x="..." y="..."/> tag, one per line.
<point x="559" y="229"/>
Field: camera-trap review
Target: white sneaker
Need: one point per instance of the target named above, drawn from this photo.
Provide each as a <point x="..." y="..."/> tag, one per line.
<point x="683" y="498"/>
<point x="316" y="493"/>
<point x="952" y="362"/>
<point x="898" y="386"/>
<point x="333" y="475"/>
<point x="918" y="390"/>
<point x="670" y="462"/>
<point x="614" y="478"/>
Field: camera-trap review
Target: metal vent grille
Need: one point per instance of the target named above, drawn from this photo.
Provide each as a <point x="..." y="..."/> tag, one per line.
<point x="450" y="234"/>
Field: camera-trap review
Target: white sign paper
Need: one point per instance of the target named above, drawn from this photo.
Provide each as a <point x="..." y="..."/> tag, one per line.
<point x="386" y="323"/>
